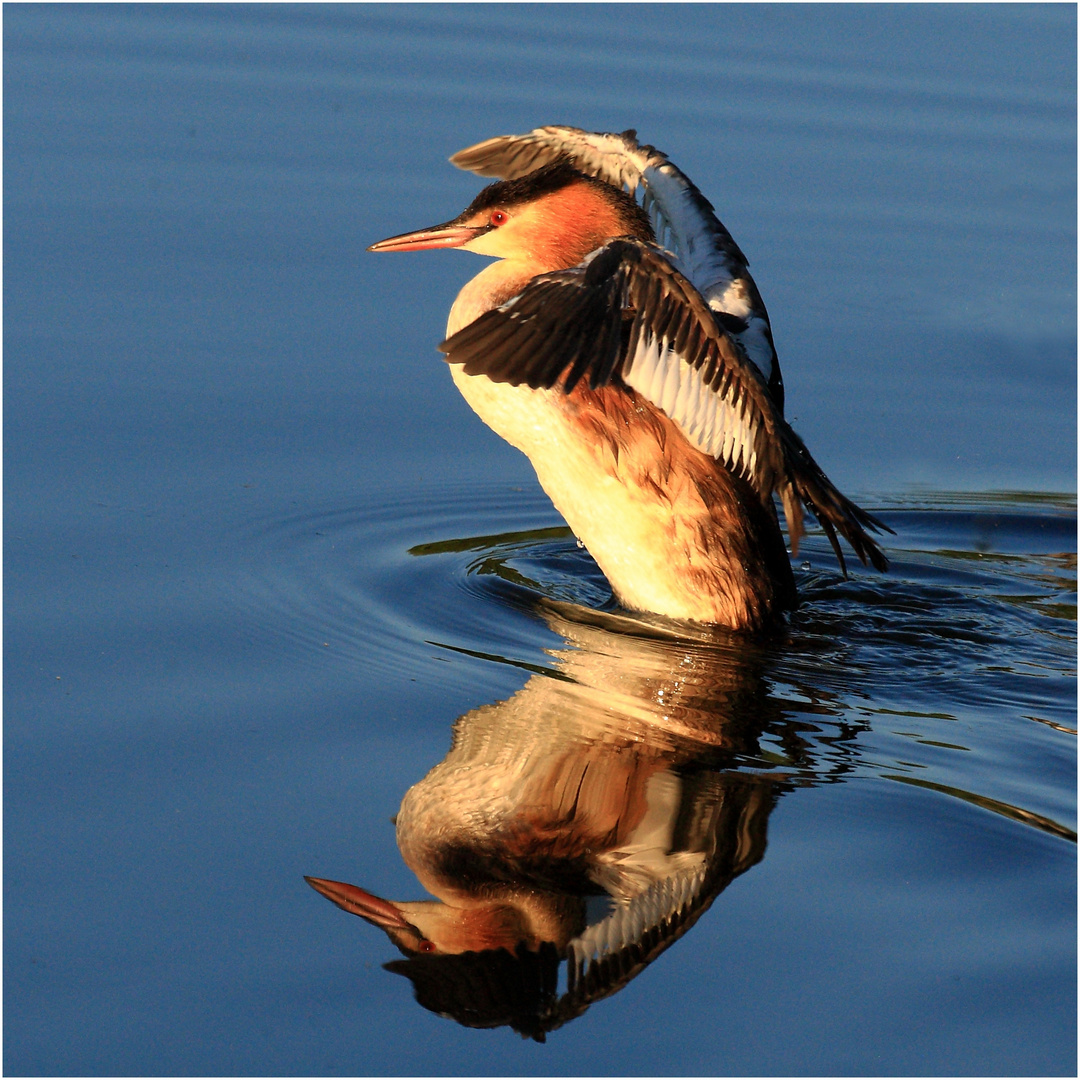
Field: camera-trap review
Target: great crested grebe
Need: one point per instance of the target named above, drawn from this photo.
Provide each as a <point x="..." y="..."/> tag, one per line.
<point x="626" y="351"/>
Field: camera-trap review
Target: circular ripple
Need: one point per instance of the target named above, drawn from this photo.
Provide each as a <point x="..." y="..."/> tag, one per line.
<point x="970" y="637"/>
<point x="381" y="581"/>
<point x="464" y="567"/>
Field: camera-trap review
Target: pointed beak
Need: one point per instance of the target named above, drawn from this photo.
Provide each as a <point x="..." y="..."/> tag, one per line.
<point x="357" y="902"/>
<point x="449" y="235"/>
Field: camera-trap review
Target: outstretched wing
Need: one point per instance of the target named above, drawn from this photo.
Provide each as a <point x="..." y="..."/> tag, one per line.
<point x="683" y="220"/>
<point x="627" y="315"/>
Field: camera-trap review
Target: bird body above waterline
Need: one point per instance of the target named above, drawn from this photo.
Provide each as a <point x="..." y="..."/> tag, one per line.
<point x="640" y="380"/>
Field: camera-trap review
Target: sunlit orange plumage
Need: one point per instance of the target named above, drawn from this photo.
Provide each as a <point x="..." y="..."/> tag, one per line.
<point x="650" y="404"/>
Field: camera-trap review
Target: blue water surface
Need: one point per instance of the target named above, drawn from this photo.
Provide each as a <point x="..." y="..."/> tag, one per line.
<point x="260" y="557"/>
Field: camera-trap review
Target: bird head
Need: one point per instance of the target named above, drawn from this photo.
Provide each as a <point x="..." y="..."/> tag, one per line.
<point x="430" y="927"/>
<point x="550" y="219"/>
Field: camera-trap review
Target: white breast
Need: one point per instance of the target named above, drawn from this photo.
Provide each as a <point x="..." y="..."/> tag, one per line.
<point x="642" y="547"/>
<point x="648" y="546"/>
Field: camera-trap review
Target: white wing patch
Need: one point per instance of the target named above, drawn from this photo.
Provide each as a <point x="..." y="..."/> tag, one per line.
<point x="678" y="216"/>
<point x="754" y="339"/>
<point x="664" y="904"/>
<point x="711" y="422"/>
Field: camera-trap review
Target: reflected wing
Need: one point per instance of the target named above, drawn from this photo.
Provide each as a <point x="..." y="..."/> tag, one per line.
<point x="727" y="823"/>
<point x="626" y="315"/>
<point x="683" y="219"/>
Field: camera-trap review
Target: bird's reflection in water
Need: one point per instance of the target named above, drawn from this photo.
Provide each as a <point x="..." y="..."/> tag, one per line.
<point x="587" y="821"/>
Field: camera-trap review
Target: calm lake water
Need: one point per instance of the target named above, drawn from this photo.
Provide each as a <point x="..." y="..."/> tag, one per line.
<point x="263" y="564"/>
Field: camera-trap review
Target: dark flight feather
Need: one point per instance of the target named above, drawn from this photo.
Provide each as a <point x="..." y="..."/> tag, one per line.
<point x="627" y="316"/>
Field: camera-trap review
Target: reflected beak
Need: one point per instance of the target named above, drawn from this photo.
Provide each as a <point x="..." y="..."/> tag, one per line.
<point x="449" y="235"/>
<point x="357" y="902"/>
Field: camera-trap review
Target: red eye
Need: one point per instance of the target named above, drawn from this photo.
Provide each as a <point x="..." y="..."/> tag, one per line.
<point x="426" y="946"/>
<point x="498" y="217"/>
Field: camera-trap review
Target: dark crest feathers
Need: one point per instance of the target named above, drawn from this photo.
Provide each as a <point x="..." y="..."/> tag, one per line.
<point x="553" y="177"/>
